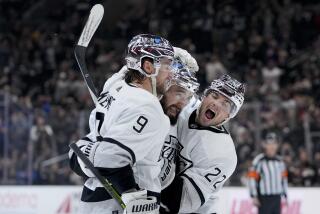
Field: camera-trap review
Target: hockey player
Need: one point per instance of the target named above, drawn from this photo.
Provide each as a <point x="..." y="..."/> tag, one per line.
<point x="183" y="87"/>
<point x="184" y="84"/>
<point x="206" y="153"/>
<point x="129" y="128"/>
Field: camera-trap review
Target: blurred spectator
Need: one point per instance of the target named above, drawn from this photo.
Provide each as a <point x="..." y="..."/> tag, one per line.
<point x="307" y="169"/>
<point x="41" y="135"/>
<point x="271" y="75"/>
<point x="214" y="69"/>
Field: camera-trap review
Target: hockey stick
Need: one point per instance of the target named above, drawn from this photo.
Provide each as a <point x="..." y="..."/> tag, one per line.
<point x="105" y="183"/>
<point x="95" y="17"/>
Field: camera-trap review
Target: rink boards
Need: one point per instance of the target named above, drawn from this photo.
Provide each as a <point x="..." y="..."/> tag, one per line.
<point x="64" y="200"/>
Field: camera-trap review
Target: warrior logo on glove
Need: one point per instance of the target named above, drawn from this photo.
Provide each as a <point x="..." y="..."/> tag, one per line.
<point x="144" y="207"/>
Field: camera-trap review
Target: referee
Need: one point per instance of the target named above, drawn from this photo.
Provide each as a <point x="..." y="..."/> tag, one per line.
<point x="267" y="178"/>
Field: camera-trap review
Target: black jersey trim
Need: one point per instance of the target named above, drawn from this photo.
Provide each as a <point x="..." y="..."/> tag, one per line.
<point x="122" y="178"/>
<point x="171" y="196"/>
<point x="194" y="125"/>
<point x="133" y="156"/>
<point x="155" y="194"/>
<point x="196" y="188"/>
<point x="131" y="85"/>
<point x="86" y="139"/>
<point x="75" y="166"/>
<point x="99" y="194"/>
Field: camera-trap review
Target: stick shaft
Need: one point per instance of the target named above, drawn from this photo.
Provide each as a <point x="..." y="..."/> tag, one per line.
<point x="104" y="181"/>
<point x="88" y="31"/>
<point x="80" y="53"/>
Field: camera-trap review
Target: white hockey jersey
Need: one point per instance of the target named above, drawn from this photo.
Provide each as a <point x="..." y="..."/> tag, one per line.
<point x="131" y="127"/>
<point x="206" y="160"/>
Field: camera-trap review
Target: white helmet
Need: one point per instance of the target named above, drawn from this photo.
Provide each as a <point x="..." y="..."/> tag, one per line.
<point x="230" y="88"/>
<point x="183" y="77"/>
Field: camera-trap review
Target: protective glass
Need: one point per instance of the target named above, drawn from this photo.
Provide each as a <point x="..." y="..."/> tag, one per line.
<point x="179" y="94"/>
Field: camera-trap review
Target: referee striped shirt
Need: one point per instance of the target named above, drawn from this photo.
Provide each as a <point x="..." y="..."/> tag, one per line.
<point x="268" y="176"/>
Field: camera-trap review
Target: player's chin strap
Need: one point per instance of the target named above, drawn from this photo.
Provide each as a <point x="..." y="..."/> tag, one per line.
<point x="153" y="78"/>
<point x="154" y="85"/>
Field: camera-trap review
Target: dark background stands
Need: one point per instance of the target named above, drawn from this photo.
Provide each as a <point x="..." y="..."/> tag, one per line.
<point x="273" y="46"/>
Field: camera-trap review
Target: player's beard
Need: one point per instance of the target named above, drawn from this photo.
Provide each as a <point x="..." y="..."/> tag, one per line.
<point x="173" y="119"/>
<point x="167" y="110"/>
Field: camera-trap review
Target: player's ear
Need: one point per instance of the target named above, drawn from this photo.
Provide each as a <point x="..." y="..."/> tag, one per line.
<point x="147" y="65"/>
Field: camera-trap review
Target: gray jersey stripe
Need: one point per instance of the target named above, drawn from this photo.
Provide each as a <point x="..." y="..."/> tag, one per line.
<point x="266" y="178"/>
<point x="273" y="172"/>
<point x="262" y="186"/>
<point x="279" y="177"/>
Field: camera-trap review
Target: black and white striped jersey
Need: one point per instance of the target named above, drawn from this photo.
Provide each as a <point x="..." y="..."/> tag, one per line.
<point x="267" y="176"/>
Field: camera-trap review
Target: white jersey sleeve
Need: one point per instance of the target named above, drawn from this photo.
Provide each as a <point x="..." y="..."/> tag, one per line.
<point x="212" y="164"/>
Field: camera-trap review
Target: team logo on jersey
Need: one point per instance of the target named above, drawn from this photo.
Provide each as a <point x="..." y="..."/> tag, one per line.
<point x="171" y="152"/>
<point x="183" y="164"/>
<point x="171" y="149"/>
<point x="105" y="100"/>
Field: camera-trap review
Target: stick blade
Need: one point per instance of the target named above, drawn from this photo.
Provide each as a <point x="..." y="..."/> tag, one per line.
<point x="95" y="17"/>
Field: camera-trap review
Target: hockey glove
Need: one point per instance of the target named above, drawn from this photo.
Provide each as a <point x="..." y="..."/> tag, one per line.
<point x="138" y="202"/>
<point x="89" y="150"/>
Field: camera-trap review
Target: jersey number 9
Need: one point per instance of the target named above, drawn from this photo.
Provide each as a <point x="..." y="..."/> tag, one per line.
<point x="141" y="123"/>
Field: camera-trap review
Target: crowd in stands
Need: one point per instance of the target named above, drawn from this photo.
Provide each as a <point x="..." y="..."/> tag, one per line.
<point x="273" y="46"/>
